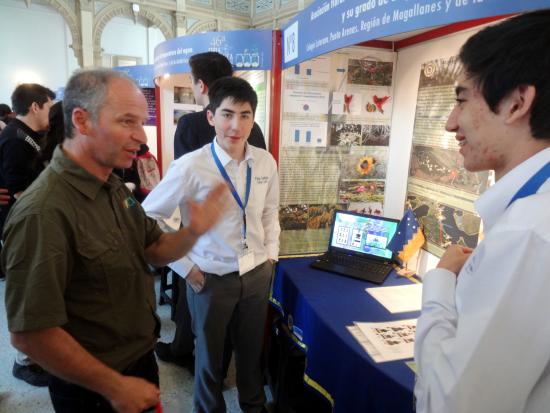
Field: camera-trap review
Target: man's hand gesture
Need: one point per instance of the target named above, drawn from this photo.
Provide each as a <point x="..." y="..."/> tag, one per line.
<point x="204" y="215"/>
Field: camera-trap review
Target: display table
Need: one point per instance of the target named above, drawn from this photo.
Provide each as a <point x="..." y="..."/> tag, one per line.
<point x="317" y="306"/>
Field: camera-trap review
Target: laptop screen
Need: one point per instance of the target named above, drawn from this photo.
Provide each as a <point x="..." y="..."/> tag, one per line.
<point x="366" y="234"/>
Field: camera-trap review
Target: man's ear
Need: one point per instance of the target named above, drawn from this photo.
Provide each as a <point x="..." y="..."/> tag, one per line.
<point x="34" y="107"/>
<point x="519" y="103"/>
<point x="210" y="117"/>
<point x="81" y="121"/>
<point x="203" y="88"/>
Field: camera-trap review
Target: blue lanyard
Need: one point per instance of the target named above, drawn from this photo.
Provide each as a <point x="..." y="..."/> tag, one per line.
<point x="233" y="189"/>
<point x="533" y="184"/>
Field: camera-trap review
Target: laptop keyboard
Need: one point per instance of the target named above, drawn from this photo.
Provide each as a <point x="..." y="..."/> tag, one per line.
<point x="366" y="266"/>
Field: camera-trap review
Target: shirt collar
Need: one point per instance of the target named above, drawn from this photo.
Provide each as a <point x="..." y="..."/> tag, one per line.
<point x="226" y="159"/>
<point x="78" y="177"/>
<point x="492" y="204"/>
<point x="248" y="153"/>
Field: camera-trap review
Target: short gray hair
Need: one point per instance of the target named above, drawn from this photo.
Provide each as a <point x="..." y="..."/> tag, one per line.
<point x="87" y="89"/>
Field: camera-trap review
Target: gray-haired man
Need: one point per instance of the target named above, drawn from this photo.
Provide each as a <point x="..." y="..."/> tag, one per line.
<point x="81" y="301"/>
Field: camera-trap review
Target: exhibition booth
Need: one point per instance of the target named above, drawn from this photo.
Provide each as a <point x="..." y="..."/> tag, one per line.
<point x="354" y="99"/>
<point x="367" y="88"/>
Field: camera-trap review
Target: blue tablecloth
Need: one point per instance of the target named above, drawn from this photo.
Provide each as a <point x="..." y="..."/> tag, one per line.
<point x="318" y="306"/>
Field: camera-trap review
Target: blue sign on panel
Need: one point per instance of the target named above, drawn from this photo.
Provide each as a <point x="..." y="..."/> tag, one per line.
<point x="245" y="49"/>
<point x="143" y="75"/>
<point x="327" y="25"/>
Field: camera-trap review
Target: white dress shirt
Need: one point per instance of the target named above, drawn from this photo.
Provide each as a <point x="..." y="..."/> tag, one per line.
<point x="191" y="177"/>
<point x="483" y="339"/>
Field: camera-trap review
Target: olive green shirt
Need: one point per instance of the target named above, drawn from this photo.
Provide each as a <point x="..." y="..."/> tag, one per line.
<point x="74" y="257"/>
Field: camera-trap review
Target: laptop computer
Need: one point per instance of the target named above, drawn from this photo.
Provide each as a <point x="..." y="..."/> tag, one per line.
<point x="357" y="246"/>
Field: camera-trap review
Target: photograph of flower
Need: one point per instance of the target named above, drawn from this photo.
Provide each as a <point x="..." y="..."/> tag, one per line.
<point x="345" y="134"/>
<point x="365" y="163"/>
<point x="362" y="190"/>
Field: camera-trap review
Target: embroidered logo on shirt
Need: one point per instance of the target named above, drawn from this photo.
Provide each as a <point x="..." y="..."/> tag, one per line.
<point x="470" y="266"/>
<point x="261" y="179"/>
<point x="129" y="202"/>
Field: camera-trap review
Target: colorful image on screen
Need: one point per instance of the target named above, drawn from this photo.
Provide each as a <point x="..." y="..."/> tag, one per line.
<point x="363" y="234"/>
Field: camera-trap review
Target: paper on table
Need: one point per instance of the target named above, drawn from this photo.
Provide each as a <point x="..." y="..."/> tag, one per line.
<point x="394" y="340"/>
<point x="398" y="299"/>
<point x="366" y="344"/>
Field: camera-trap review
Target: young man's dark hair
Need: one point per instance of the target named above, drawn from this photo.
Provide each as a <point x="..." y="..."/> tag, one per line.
<point x="26" y="93"/>
<point x="56" y="131"/>
<point x="209" y="66"/>
<point x="239" y="90"/>
<point x="505" y="56"/>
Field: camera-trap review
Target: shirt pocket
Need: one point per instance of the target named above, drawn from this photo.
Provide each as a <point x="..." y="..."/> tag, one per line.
<point x="105" y="266"/>
<point x="258" y="193"/>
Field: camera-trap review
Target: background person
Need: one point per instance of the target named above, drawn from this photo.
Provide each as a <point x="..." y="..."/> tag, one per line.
<point x="193" y="130"/>
<point x="20" y="164"/>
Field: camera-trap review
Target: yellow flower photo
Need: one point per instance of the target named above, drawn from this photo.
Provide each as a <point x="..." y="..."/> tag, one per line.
<point x="365" y="165"/>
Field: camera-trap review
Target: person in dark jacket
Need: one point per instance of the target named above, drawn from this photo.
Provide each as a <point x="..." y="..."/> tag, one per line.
<point x="193" y="130"/>
<point x="20" y="164"/>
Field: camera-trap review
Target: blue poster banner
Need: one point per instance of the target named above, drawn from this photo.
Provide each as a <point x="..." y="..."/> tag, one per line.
<point x="245" y="49"/>
<point x="143" y="75"/>
<point x="327" y="25"/>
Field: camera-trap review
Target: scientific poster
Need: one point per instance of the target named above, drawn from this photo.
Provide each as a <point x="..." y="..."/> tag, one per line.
<point x="306" y="101"/>
<point x="334" y="142"/>
<point x="304" y="133"/>
<point x="315" y="70"/>
<point x="440" y="190"/>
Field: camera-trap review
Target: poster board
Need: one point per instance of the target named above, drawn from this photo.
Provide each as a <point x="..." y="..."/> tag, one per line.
<point x="335" y="132"/>
<point x="440" y="190"/>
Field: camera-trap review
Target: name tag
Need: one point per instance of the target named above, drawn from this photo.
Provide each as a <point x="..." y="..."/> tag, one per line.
<point x="246" y="261"/>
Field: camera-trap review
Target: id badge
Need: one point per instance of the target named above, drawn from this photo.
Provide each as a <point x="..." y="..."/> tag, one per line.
<point x="246" y="261"/>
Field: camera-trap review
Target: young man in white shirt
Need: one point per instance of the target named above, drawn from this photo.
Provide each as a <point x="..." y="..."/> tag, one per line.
<point x="229" y="269"/>
<point x="483" y="339"/>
